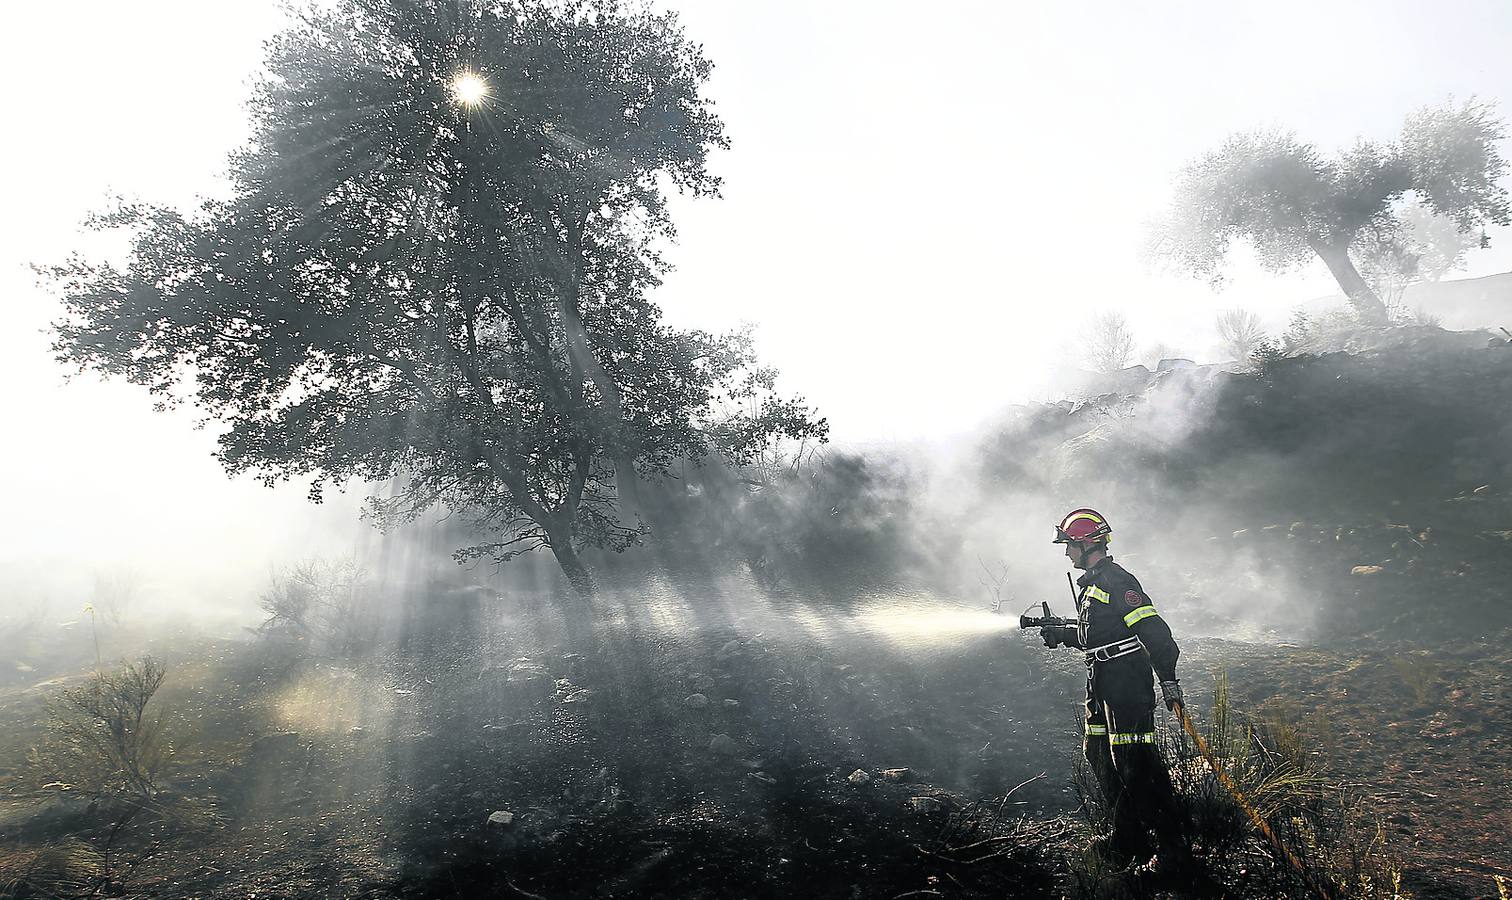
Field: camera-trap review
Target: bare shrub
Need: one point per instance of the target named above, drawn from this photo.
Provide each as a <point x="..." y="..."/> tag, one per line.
<point x="1110" y="342"/>
<point x="1417" y="245"/>
<point x="117" y="593"/>
<point x="329" y="604"/>
<point x="104" y="742"/>
<point x="1239" y="332"/>
<point x="1316" y="333"/>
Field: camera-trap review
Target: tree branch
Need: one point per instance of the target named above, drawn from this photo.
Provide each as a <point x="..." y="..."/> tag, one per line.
<point x="406" y="368"/>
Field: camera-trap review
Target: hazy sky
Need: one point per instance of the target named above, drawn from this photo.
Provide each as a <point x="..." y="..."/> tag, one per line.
<point x="921" y="206"/>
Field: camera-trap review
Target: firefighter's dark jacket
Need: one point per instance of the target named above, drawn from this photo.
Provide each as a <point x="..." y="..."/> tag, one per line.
<point x="1113" y="607"/>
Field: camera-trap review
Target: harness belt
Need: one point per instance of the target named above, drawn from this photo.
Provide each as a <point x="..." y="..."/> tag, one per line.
<point x="1108" y="652"/>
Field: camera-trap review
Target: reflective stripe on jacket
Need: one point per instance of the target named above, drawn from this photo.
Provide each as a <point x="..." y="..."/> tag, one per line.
<point x="1114" y="606"/>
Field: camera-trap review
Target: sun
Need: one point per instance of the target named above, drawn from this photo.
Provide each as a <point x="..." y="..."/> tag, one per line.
<point x="469" y="88"/>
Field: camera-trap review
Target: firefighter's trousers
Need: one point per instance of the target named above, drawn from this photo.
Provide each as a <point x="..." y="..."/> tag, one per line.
<point x="1121" y="751"/>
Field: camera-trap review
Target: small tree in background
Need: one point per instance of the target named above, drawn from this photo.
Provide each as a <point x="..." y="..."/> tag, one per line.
<point x="331" y="605"/>
<point x="1239" y="332"/>
<point x="1292" y="204"/>
<point x="1110" y="342"/>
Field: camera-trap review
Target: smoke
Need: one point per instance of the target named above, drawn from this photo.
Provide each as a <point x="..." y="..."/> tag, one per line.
<point x="1241" y="500"/>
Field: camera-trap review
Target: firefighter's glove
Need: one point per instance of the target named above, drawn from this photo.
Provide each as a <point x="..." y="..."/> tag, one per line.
<point x="1051" y="636"/>
<point x="1170" y="692"/>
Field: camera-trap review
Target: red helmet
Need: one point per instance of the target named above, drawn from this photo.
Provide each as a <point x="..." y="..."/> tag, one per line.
<point x="1081" y="525"/>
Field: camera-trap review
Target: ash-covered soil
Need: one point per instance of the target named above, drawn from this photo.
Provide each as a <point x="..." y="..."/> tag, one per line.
<point x="718" y="763"/>
<point x="724" y="763"/>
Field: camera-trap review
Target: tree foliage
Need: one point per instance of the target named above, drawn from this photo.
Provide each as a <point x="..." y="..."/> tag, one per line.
<point x="1291" y="203"/>
<point x="452" y="291"/>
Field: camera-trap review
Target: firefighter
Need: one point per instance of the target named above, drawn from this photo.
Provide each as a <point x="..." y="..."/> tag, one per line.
<point x="1123" y="638"/>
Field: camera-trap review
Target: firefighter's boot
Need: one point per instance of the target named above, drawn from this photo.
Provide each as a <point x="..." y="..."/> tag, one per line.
<point x="1115" y="852"/>
<point x="1173" y="859"/>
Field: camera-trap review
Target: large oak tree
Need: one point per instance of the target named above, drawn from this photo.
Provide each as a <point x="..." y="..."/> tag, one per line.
<point x="1292" y="203"/>
<point x="435" y="266"/>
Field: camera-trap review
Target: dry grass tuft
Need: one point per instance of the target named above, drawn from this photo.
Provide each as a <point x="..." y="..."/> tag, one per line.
<point x="66" y="868"/>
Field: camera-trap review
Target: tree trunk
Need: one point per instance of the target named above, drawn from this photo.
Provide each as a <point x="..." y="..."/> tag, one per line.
<point x="1361" y="297"/>
<point x="581" y="352"/>
<point x="558" y="524"/>
<point x="578" y="618"/>
<point x="571" y="564"/>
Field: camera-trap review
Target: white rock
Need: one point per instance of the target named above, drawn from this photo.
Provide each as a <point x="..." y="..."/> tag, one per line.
<point x="858" y="777"/>
<point x="501" y="818"/>
<point x="695" y="701"/>
<point x="724" y="745"/>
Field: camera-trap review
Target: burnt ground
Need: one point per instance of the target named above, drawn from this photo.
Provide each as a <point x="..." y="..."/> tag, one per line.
<point x="323" y="778"/>
<point x="1421" y="736"/>
<point x="379" y="779"/>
